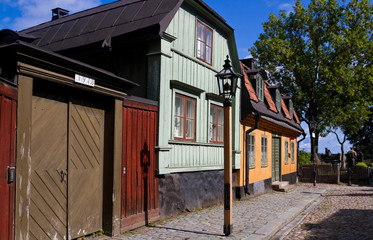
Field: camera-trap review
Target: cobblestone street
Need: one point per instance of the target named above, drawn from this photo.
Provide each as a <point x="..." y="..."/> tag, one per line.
<point x="305" y="212"/>
<point x="343" y="213"/>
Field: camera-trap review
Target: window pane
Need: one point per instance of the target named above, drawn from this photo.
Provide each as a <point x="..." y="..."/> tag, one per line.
<point x="212" y="129"/>
<point x="189" y="130"/>
<point x="213" y="114"/>
<point x="190" y="108"/>
<point x="200" y="50"/>
<point x="208" y="55"/>
<point x="200" y="32"/>
<point x="179" y="127"/>
<point x="221" y="116"/>
<point x="179" y="106"/>
<point x="208" y="37"/>
<point x="220" y="134"/>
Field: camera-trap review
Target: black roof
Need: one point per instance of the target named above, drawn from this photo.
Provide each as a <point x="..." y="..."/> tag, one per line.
<point x="106" y="21"/>
<point x="13" y="42"/>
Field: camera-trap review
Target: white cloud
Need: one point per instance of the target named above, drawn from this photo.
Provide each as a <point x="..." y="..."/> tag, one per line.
<point x="34" y="12"/>
<point x="249" y="56"/>
<point x="287" y="7"/>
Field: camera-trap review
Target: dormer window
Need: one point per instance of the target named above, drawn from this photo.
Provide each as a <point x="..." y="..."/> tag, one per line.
<point x="291" y="108"/>
<point x="204" y="42"/>
<point x="259" y="87"/>
<point x="278" y="100"/>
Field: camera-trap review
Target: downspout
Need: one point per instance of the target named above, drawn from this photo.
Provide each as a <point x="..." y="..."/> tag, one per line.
<point x="257" y="117"/>
<point x="304" y="137"/>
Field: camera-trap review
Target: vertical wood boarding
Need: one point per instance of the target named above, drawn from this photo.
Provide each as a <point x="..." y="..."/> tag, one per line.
<point x="139" y="183"/>
<point x="8" y="109"/>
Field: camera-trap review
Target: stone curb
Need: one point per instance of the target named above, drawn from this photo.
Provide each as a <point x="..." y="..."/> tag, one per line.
<point x="272" y="227"/>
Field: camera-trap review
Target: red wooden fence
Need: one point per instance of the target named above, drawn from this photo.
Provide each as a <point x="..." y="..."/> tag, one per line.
<point x="8" y="109"/>
<point x="139" y="183"/>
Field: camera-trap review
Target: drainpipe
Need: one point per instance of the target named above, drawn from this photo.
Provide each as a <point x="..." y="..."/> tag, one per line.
<point x="304" y="137"/>
<point x="257" y="117"/>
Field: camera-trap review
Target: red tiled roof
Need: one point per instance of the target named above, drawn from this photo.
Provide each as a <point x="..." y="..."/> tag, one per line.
<point x="296" y="117"/>
<point x="248" y="85"/>
<point x="271" y="104"/>
<point x="284" y="108"/>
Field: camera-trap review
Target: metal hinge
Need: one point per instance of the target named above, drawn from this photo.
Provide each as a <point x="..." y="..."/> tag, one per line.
<point x="124" y="170"/>
<point x="11" y="174"/>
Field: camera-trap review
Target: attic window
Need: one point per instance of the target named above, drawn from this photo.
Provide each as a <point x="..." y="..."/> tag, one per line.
<point x="204" y="43"/>
<point x="259" y="87"/>
<point x="278" y="100"/>
<point x="291" y="108"/>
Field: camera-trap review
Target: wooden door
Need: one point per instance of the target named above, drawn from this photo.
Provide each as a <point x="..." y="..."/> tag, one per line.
<point x="66" y="167"/>
<point x="85" y="175"/>
<point x="276" y="161"/>
<point x="8" y="109"/>
<point x="139" y="182"/>
<point x="48" y="213"/>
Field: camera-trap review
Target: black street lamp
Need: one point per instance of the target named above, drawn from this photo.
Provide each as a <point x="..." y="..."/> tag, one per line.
<point x="227" y="83"/>
<point x="313" y="129"/>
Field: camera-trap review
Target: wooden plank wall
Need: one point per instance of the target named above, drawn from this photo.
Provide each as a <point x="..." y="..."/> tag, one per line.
<point x="139" y="183"/>
<point x="8" y="109"/>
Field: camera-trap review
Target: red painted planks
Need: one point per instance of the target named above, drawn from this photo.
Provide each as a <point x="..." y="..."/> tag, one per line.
<point x="8" y="108"/>
<point x="140" y="185"/>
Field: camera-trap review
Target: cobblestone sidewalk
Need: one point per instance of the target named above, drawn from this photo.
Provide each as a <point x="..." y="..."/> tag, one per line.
<point x="256" y="218"/>
<point x="344" y="213"/>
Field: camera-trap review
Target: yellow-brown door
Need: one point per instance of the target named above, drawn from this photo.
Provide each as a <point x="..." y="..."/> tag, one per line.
<point x="67" y="142"/>
<point x="85" y="175"/>
<point x="48" y="168"/>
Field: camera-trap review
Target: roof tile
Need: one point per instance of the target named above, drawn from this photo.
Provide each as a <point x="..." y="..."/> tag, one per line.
<point x="284" y="108"/>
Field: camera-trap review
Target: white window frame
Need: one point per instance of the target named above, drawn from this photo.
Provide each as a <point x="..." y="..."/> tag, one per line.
<point x="286" y="160"/>
<point x="250" y="149"/>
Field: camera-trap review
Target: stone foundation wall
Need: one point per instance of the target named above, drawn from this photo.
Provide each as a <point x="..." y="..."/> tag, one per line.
<point x="182" y="192"/>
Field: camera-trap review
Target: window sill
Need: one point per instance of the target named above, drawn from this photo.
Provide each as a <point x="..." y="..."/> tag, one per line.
<point x="264" y="166"/>
<point x="180" y="142"/>
<point x="251" y="167"/>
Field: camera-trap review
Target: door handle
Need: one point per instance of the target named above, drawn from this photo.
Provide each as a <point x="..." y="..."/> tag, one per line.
<point x="62" y="175"/>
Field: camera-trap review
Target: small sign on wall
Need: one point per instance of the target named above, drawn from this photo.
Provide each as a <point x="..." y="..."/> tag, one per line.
<point x="84" y="80"/>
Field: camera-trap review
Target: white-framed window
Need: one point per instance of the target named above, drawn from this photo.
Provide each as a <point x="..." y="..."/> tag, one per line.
<point x="250" y="149"/>
<point x="216" y="126"/>
<point x="264" y="151"/>
<point x="292" y="153"/>
<point x="259" y="87"/>
<point x="184" y="118"/>
<point x="204" y="43"/>
<point x="286" y="155"/>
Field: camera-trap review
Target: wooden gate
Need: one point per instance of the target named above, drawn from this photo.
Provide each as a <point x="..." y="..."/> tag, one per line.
<point x="66" y="168"/>
<point x="139" y="183"/>
<point x="8" y="109"/>
<point x="276" y="159"/>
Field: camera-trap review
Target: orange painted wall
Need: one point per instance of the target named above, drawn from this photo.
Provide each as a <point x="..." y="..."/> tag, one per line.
<point x="260" y="173"/>
<point x="290" y="167"/>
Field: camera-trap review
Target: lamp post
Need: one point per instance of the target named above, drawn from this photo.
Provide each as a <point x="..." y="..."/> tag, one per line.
<point x="313" y="129"/>
<point x="227" y="83"/>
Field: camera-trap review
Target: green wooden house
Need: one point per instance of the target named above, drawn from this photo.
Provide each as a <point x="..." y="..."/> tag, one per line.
<point x="172" y="49"/>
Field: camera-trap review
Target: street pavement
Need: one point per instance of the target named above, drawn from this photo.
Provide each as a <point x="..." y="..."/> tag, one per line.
<point x="304" y="212"/>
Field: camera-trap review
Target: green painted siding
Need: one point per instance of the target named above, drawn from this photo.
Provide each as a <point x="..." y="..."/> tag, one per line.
<point x="182" y="73"/>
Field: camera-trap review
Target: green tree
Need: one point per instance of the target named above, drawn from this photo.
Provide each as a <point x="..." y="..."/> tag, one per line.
<point x="363" y="139"/>
<point x="322" y="56"/>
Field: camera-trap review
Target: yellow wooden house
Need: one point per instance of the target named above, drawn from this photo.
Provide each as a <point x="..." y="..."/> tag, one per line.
<point x="269" y="131"/>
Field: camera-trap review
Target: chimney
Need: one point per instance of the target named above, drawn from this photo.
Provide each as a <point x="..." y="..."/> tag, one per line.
<point x="249" y="62"/>
<point x="58" y="13"/>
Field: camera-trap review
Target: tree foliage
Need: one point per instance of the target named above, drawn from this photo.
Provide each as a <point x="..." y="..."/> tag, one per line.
<point x="363" y="139"/>
<point x="322" y="56"/>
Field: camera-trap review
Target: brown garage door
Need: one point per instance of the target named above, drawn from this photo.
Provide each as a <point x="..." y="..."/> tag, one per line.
<point x="66" y="167"/>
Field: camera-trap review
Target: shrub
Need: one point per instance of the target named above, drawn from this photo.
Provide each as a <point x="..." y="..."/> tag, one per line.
<point x="304" y="158"/>
<point x="362" y="164"/>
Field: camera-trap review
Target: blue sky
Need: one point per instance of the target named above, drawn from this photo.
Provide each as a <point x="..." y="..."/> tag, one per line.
<point x="244" y="16"/>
